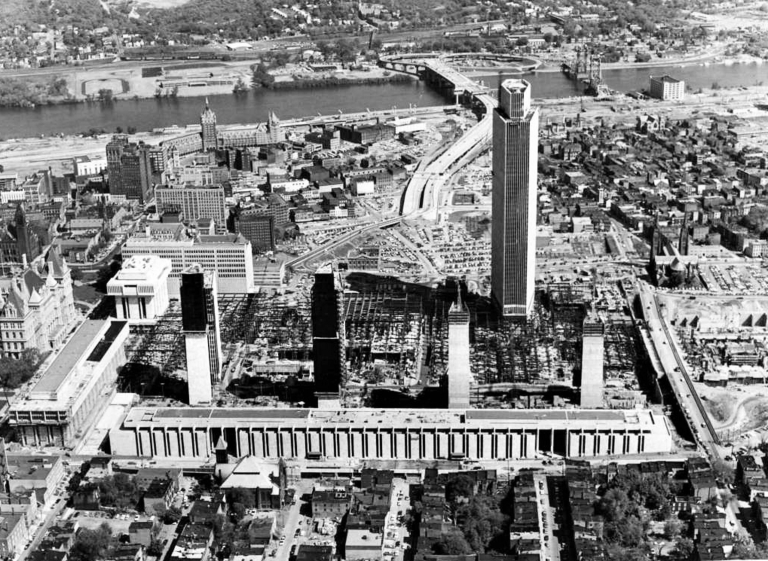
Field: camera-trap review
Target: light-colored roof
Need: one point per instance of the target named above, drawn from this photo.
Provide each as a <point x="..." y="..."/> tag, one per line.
<point x="70" y="355"/>
<point x="414" y="418"/>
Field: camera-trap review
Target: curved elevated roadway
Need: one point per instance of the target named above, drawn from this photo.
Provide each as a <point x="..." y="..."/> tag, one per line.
<point x="421" y="195"/>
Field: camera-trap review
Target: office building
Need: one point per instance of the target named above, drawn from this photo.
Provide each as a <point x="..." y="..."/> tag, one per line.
<point x="130" y="168"/>
<point x="667" y="88"/>
<point x="459" y="373"/>
<point x="74" y="390"/>
<point x="229" y="256"/>
<point x="18" y="241"/>
<point x="140" y="289"/>
<point x="328" y="340"/>
<point x="193" y="203"/>
<point x="592" y="363"/>
<point x="37" y="307"/>
<point x="257" y="228"/>
<point x="208" y="128"/>
<point x="513" y="232"/>
<point x="202" y="337"/>
<point x="360" y="434"/>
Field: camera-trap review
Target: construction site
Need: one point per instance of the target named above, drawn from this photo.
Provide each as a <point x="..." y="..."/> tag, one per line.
<point x="396" y="337"/>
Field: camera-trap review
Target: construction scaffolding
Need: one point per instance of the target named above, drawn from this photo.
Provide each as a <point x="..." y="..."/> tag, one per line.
<point x="620" y="346"/>
<point x="160" y="344"/>
<point x="275" y="326"/>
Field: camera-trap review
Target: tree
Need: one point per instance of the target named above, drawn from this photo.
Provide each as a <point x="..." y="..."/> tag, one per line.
<point x="172" y="515"/>
<point x="671" y="529"/>
<point x="75" y="274"/>
<point x="155" y="548"/>
<point x="91" y="544"/>
<point x="522" y="42"/>
<point x="482" y="524"/>
<point x="459" y="487"/>
<point x="723" y="471"/>
<point x="105" y="95"/>
<point x="684" y="548"/>
<point x="452" y="543"/>
<point x="15" y="372"/>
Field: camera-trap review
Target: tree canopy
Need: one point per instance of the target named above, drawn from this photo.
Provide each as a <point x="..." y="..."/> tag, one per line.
<point x="91" y="544"/>
<point x="15" y="372"/>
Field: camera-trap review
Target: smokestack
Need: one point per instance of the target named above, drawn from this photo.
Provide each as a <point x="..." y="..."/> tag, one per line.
<point x="24" y="260"/>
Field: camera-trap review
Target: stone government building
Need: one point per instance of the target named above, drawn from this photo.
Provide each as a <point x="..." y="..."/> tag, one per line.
<point x="480" y="434"/>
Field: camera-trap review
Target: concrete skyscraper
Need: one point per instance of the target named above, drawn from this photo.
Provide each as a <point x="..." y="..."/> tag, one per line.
<point x="208" y="126"/>
<point x="200" y="322"/>
<point x="513" y="233"/>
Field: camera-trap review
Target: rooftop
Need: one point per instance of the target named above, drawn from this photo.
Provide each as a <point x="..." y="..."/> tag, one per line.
<point x="549" y="418"/>
<point x="31" y="467"/>
<point x="667" y="79"/>
<point x="363" y="539"/>
<point x="138" y="268"/>
<point x="65" y="363"/>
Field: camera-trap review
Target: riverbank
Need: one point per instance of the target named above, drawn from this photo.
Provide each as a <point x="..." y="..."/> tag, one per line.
<point x="84" y="84"/>
<point x="25" y="155"/>
<point x="308" y="83"/>
<point x="702" y="60"/>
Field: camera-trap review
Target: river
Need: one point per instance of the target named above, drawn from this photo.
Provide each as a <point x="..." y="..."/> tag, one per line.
<point x="147" y="114"/>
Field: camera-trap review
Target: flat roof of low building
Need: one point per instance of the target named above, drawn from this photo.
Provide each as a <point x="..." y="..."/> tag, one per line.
<point x="70" y="355"/>
<point x="31" y="467"/>
<point x="363" y="539"/>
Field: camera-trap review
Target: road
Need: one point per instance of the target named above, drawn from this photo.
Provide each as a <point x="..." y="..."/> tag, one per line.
<point x="329" y="246"/>
<point x="421" y="197"/>
<point x="676" y="370"/>
<point x="48" y="521"/>
<point x="293" y="521"/>
<point x="550" y="544"/>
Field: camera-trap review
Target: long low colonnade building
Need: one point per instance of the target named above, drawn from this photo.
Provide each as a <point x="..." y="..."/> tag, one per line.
<point x="424" y="434"/>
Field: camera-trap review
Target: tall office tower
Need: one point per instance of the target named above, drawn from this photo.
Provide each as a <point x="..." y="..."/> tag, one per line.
<point x="328" y="338"/>
<point x="208" y="126"/>
<point x="202" y="338"/>
<point x="592" y="363"/>
<point x="458" y="356"/>
<point x="130" y="168"/>
<point x="513" y="234"/>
